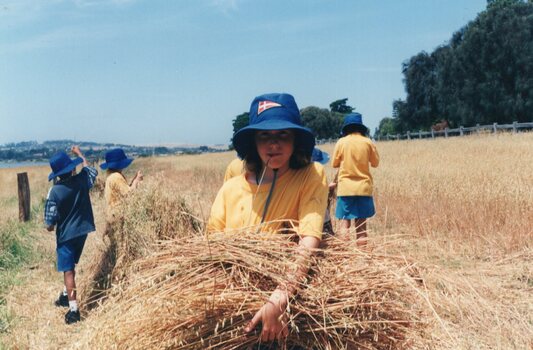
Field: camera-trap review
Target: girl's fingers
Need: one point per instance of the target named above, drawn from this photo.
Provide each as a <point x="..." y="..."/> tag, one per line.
<point x="253" y="323"/>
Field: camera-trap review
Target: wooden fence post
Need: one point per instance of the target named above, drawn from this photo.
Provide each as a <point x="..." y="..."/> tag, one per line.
<point x="461" y="131"/>
<point x="445" y="132"/>
<point x="24" y="196"/>
<point x="478" y="128"/>
<point x="432" y="133"/>
<point x="515" y="127"/>
<point x="419" y="134"/>
<point x="495" y="128"/>
<point x="408" y="135"/>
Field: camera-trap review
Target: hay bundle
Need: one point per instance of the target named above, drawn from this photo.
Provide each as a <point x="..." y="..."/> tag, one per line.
<point x="195" y="294"/>
<point x="148" y="215"/>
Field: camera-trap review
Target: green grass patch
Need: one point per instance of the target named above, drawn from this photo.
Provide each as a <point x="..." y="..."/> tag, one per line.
<point x="16" y="250"/>
<point x="15" y="244"/>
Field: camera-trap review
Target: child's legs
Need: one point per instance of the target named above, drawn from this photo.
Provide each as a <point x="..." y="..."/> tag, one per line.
<point x="345" y="226"/>
<point x="360" y="229"/>
<point x="70" y="283"/>
<point x="342" y="213"/>
<point x="68" y="255"/>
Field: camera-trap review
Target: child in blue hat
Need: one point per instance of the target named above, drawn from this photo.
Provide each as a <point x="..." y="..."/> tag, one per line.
<point x="281" y="187"/>
<point x="116" y="185"/>
<point x="68" y="209"/>
<point x="354" y="154"/>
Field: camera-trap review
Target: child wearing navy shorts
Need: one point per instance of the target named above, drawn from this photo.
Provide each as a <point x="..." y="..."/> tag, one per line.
<point x="68" y="209"/>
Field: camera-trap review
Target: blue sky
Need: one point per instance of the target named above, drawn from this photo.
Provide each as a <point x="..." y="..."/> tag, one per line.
<point x="178" y="72"/>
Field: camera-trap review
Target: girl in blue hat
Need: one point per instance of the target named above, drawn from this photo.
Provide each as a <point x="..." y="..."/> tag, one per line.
<point x="281" y="187"/>
<point x="116" y="185"/>
<point x="354" y="154"/>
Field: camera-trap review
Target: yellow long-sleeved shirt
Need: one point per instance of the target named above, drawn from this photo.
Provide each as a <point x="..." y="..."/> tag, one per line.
<point x="299" y="197"/>
<point x="353" y="155"/>
<point x="116" y="188"/>
<point x="235" y="168"/>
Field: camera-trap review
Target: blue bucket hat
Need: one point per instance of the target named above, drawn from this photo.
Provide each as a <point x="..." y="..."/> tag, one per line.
<point x="320" y="156"/>
<point x="116" y="159"/>
<point x="62" y="164"/>
<point x="353" y="119"/>
<point x="273" y="112"/>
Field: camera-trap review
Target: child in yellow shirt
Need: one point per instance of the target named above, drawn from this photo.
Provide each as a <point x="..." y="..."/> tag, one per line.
<point x="116" y="186"/>
<point x="234" y="168"/>
<point x="281" y="187"/>
<point x="354" y="154"/>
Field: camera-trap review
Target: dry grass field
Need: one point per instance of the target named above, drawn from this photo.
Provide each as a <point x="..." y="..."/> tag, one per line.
<point x="459" y="210"/>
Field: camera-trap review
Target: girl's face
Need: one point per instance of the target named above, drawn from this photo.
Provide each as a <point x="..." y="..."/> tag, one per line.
<point x="275" y="147"/>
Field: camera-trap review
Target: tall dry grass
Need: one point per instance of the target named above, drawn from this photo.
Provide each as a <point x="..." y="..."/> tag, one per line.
<point x="474" y="190"/>
<point x="38" y="180"/>
<point x="149" y="214"/>
<point x="459" y="209"/>
<point x="463" y="208"/>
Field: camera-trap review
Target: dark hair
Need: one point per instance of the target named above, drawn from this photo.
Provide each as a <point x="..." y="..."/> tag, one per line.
<point x="65" y="176"/>
<point x="351" y="128"/>
<point x="299" y="158"/>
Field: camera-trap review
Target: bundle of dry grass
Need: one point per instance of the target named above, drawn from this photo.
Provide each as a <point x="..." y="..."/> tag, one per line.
<point x="199" y="294"/>
<point x="149" y="214"/>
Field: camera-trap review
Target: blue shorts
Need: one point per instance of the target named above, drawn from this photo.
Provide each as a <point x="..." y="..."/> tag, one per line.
<point x="69" y="252"/>
<point x="354" y="207"/>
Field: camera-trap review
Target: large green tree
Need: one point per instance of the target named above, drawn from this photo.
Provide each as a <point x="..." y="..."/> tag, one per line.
<point x="324" y="123"/>
<point x="240" y="121"/>
<point x="340" y="106"/>
<point x="386" y="126"/>
<point x="484" y="74"/>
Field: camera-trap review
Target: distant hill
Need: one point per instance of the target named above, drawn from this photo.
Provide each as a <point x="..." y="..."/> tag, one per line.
<point x="35" y="151"/>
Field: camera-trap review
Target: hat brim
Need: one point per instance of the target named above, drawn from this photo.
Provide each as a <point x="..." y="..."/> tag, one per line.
<point x="67" y="169"/>
<point x="344" y="126"/>
<point x="325" y="158"/>
<point x="121" y="164"/>
<point x="244" y="138"/>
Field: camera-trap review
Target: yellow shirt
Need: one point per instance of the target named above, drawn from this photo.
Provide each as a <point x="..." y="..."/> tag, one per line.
<point x="115" y="190"/>
<point x="235" y="168"/>
<point x="352" y="155"/>
<point x="299" y="198"/>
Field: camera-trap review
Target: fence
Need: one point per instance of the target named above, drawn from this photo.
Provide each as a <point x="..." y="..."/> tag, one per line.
<point x="461" y="131"/>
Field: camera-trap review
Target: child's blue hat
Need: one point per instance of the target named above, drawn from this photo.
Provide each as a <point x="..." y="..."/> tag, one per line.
<point x="353" y="119"/>
<point x="273" y="112"/>
<point x="62" y="164"/>
<point x="320" y="156"/>
<point x="116" y="159"/>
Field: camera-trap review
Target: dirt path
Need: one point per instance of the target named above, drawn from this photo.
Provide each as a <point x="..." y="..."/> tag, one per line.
<point x="37" y="322"/>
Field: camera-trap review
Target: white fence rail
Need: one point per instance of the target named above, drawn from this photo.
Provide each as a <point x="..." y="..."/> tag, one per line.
<point x="460" y="131"/>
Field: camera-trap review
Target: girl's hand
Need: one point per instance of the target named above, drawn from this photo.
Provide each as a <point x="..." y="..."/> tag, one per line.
<point x="332" y="185"/>
<point x="136" y="179"/>
<point x="272" y="317"/>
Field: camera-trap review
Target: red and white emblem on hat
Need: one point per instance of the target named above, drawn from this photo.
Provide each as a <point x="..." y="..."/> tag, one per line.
<point x="264" y="105"/>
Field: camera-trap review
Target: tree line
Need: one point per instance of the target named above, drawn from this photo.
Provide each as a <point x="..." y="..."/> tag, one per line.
<point x="483" y="75"/>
